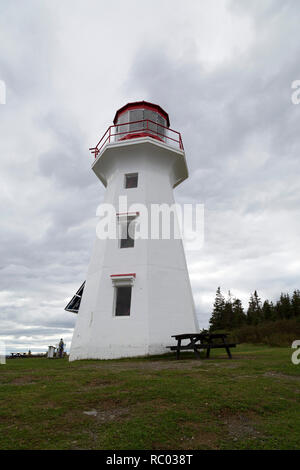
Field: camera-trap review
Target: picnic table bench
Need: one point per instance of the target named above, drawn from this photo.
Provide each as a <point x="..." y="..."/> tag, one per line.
<point x="200" y="341"/>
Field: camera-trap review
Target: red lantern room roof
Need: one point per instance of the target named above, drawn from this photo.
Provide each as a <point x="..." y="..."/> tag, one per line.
<point x="143" y="105"/>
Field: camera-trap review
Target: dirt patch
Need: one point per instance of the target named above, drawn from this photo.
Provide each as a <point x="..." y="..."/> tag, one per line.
<point x="240" y="357"/>
<point x="254" y="376"/>
<point x="279" y="375"/>
<point x="95" y="383"/>
<point x="160" y="365"/>
<point x="224" y="365"/>
<point x="193" y="436"/>
<point x="48" y="405"/>
<point x="240" y="426"/>
<point x="146" y="365"/>
<point x="25" y="380"/>
<point x="200" y="438"/>
<point x="105" y="416"/>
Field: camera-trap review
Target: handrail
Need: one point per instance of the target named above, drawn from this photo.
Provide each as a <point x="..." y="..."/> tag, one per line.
<point x="144" y="131"/>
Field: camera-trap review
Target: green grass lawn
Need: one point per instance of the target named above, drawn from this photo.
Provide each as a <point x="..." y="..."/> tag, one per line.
<point x="249" y="402"/>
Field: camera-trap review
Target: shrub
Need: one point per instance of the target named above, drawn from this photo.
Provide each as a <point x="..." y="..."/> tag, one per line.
<point x="273" y="333"/>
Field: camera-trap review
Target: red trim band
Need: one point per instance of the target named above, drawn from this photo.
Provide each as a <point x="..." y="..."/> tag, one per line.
<point x="127" y="213"/>
<point x="142" y="105"/>
<point x="137" y="135"/>
<point x="118" y="275"/>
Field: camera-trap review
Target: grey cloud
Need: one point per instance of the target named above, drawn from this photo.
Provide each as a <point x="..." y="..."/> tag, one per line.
<point x="241" y="137"/>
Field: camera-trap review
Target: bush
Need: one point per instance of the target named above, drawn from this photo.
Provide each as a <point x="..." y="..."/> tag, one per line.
<point x="276" y="333"/>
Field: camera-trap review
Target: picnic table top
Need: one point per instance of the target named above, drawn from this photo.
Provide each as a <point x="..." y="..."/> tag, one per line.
<point x="200" y="335"/>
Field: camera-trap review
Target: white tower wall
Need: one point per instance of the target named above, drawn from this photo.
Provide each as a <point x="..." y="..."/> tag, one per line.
<point x="161" y="302"/>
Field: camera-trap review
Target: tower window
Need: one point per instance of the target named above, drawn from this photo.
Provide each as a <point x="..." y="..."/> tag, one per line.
<point x="131" y="180"/>
<point x="127" y="229"/>
<point x="123" y="301"/>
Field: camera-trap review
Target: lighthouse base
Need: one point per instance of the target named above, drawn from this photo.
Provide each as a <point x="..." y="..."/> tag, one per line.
<point x="161" y="306"/>
<point x="116" y="352"/>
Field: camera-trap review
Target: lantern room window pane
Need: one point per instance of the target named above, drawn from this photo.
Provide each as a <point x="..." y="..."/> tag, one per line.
<point x="123" y="301"/>
<point x="151" y="117"/>
<point x="136" y="115"/>
<point x="160" y="123"/>
<point x="123" y="127"/>
<point x="131" y="180"/>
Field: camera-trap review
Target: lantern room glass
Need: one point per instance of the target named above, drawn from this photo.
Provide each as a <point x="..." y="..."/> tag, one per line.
<point x="140" y="121"/>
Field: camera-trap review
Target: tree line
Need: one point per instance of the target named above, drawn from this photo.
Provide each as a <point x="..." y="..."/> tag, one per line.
<point x="228" y="313"/>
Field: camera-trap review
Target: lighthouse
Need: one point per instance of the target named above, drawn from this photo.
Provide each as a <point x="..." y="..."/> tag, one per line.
<point x="137" y="292"/>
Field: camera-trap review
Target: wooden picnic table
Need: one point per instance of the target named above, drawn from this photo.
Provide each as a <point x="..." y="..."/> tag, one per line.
<point x="200" y="341"/>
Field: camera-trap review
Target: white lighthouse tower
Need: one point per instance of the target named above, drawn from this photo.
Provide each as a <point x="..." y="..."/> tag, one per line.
<point x="137" y="292"/>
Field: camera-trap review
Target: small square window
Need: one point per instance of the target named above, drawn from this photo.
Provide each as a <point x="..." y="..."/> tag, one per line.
<point x="131" y="180"/>
<point x="123" y="301"/>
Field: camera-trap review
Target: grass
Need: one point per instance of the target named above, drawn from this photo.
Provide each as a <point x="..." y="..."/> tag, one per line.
<point x="249" y="402"/>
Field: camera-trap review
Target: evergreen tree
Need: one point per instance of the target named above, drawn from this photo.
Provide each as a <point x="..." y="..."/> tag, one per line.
<point x="227" y="319"/>
<point x="296" y="303"/>
<point x="268" y="311"/>
<point x="229" y="314"/>
<point x="284" y="307"/>
<point x="254" y="313"/>
<point x="216" y="320"/>
<point x="238" y="318"/>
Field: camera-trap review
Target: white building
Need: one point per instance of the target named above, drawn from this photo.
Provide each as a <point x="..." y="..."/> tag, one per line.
<point x="137" y="292"/>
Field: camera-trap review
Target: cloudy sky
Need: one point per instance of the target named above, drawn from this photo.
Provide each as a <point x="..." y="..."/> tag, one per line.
<point x="222" y="69"/>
